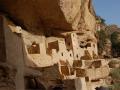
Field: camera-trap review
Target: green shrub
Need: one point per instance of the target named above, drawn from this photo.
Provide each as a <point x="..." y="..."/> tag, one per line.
<point x="115" y="74"/>
<point x="102" y="36"/>
<point x="115" y="39"/>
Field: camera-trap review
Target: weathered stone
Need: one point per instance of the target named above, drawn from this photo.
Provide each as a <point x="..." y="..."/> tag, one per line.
<point x="49" y="57"/>
<point x="7" y="77"/>
<point x="59" y="14"/>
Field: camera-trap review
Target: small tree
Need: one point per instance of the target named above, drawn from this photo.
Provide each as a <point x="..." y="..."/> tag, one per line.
<point x="115" y="39"/>
<point x="100" y="20"/>
<point x="102" y="36"/>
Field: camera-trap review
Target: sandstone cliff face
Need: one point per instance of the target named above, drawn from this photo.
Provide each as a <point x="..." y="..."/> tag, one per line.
<point x="56" y="14"/>
<point x="62" y="56"/>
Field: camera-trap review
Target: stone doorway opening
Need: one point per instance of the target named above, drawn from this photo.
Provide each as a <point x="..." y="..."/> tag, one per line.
<point x="101" y="88"/>
<point x="57" y="88"/>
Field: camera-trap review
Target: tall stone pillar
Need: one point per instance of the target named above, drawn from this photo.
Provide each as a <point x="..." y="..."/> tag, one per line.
<point x="14" y="53"/>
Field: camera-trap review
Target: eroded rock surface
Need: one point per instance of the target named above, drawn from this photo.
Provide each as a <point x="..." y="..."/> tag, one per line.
<point x="63" y="56"/>
<point x="56" y="14"/>
<point x="7" y="77"/>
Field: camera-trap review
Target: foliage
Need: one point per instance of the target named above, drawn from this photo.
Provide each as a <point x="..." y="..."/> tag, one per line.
<point x="102" y="36"/>
<point x="100" y="20"/>
<point x="115" y="39"/>
<point x="115" y="74"/>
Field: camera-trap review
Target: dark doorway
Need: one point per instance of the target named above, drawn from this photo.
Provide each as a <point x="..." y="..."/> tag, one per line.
<point x="101" y="88"/>
<point x="58" y="88"/>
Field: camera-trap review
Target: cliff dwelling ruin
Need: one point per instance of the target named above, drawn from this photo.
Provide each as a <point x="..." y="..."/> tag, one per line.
<point x="51" y="47"/>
